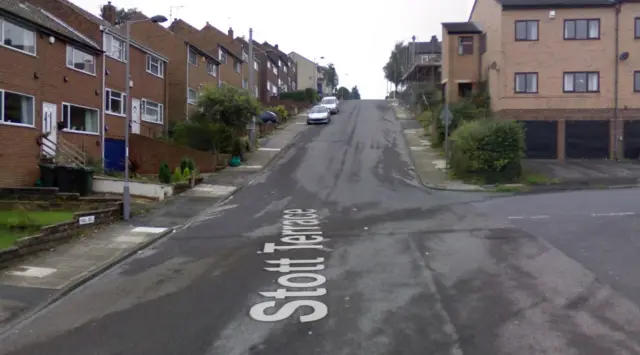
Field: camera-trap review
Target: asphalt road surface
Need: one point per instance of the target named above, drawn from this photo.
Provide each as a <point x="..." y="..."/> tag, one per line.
<point x="337" y="249"/>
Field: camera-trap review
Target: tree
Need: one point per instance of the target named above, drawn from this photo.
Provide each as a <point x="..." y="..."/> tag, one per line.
<point x="343" y="93"/>
<point x="332" y="77"/>
<point x="226" y="105"/>
<point x="396" y="67"/>
<point x="122" y="14"/>
<point x="355" y="93"/>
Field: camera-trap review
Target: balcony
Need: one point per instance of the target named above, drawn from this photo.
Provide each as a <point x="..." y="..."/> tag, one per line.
<point x="433" y="59"/>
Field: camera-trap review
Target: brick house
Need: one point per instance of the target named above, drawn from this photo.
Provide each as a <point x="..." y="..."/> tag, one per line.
<point x="209" y="39"/>
<point x="190" y="67"/>
<point x="566" y="69"/>
<point x="267" y="71"/>
<point x="49" y="76"/>
<point x="425" y="59"/>
<point x="287" y="77"/>
<point x="148" y="84"/>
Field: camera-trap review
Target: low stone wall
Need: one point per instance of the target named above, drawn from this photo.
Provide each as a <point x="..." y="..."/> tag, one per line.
<point x="54" y="235"/>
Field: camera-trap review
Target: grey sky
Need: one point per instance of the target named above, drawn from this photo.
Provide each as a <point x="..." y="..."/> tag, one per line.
<point x="356" y="35"/>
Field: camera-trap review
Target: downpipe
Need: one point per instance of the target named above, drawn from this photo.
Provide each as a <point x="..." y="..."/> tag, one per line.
<point x="615" y="82"/>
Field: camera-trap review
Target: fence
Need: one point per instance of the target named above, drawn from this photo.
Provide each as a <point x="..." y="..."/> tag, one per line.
<point x="149" y="153"/>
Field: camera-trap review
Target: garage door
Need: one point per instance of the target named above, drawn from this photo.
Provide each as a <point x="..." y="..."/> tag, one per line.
<point x="587" y="139"/>
<point x="632" y="139"/>
<point x="541" y="139"/>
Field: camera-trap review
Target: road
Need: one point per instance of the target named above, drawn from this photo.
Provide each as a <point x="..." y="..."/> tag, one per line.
<point x="337" y="249"/>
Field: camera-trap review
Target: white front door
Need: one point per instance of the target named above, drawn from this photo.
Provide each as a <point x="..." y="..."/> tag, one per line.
<point x="50" y="125"/>
<point x="135" y="116"/>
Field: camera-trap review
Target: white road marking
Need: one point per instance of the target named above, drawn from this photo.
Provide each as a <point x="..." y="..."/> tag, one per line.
<point x="612" y="214"/>
<point x="301" y="123"/>
<point x="270" y="149"/>
<point x="528" y="217"/>
<point x="212" y="190"/>
<point x="250" y="166"/>
<point x="149" y="230"/>
<point x="417" y="148"/>
<point x="32" y="271"/>
<point x="129" y="239"/>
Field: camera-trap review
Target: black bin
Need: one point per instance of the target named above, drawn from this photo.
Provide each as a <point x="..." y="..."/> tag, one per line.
<point x="83" y="180"/>
<point x="47" y="175"/>
<point x="65" y="178"/>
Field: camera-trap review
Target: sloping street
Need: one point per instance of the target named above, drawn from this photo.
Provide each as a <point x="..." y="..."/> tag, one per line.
<point x="336" y="248"/>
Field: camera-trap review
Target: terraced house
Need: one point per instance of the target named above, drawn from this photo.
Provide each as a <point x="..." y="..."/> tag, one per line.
<point x="566" y="69"/>
<point x="50" y="83"/>
<point x="266" y="70"/>
<point x="287" y="73"/>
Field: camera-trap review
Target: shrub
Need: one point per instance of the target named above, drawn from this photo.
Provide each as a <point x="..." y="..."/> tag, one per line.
<point x="237" y="149"/>
<point x="463" y="111"/>
<point x="490" y="151"/>
<point x="425" y="119"/>
<point x="177" y="175"/>
<point x="186" y="174"/>
<point x="197" y="135"/>
<point x="281" y="111"/>
<point x="187" y="163"/>
<point x="226" y="105"/>
<point x="164" y="175"/>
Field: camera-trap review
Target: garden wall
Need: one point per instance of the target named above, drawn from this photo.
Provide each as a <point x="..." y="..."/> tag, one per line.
<point x="149" y="153"/>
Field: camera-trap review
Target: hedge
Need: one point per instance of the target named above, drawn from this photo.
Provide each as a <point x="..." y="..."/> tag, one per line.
<point x="464" y="111"/>
<point x="487" y="150"/>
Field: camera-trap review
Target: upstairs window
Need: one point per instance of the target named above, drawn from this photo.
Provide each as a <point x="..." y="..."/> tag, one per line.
<point x="115" y="102"/>
<point x="465" y="45"/>
<point x="526" y="83"/>
<point x="527" y="30"/>
<point x="582" y="29"/>
<point x="245" y="56"/>
<point x="256" y="66"/>
<point x="18" y="37"/>
<point x="636" y="28"/>
<point x="581" y="82"/>
<point x="155" y="66"/>
<point x="237" y="66"/>
<point x="212" y="68"/>
<point x="284" y="68"/>
<point x="192" y="96"/>
<point x="193" y="57"/>
<point x="222" y="56"/>
<point x="114" y="47"/>
<point x="81" y="61"/>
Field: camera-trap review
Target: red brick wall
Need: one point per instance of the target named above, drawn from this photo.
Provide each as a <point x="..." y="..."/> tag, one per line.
<point x="150" y="153"/>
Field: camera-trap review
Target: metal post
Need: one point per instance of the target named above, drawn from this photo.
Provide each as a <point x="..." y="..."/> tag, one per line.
<point x="126" y="198"/>
<point x="252" y="130"/>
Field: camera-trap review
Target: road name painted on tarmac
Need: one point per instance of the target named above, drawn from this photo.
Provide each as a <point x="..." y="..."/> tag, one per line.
<point x="300" y="231"/>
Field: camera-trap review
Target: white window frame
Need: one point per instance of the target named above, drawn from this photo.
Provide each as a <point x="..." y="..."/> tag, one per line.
<point x="73" y="51"/>
<point x="189" y="101"/>
<point x="245" y="56"/>
<point x="211" y="63"/>
<point x="109" y="40"/>
<point x="275" y="69"/>
<point x="33" y="109"/>
<point x="256" y="65"/>
<point x="222" y="56"/>
<point x="160" y="65"/>
<point x="67" y="105"/>
<point x="35" y="39"/>
<point x="256" y="91"/>
<point x="195" y="57"/>
<point x="143" y="111"/>
<point x="268" y="65"/>
<point x="285" y="69"/>
<point x="237" y="66"/>
<point x="245" y="84"/>
<point x="123" y="99"/>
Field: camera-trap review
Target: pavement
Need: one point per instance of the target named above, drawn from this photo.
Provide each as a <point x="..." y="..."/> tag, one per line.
<point x="337" y="248"/>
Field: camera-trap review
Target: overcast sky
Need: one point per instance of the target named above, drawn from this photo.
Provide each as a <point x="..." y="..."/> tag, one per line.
<point x="356" y="35"/>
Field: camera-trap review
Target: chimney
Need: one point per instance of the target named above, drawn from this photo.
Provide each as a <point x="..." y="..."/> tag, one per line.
<point x="230" y="32"/>
<point x="434" y="39"/>
<point x="276" y="47"/>
<point x="109" y="13"/>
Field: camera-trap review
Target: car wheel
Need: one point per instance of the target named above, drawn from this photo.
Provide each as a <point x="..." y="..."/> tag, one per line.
<point x="308" y="123"/>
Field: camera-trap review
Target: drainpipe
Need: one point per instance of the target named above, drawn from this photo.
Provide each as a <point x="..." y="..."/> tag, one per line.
<point x="104" y="106"/>
<point x="166" y="99"/>
<point x="615" y="82"/>
<point x="186" y="101"/>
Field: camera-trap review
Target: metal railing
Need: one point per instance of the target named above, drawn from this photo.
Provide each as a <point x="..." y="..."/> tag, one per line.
<point x="63" y="151"/>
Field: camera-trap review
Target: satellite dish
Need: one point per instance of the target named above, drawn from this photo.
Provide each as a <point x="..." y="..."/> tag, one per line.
<point x="624" y="56"/>
<point x="493" y="65"/>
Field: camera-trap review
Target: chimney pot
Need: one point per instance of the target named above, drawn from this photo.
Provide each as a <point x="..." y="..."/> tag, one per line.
<point x="230" y="32"/>
<point x="276" y="46"/>
<point x="109" y="13"/>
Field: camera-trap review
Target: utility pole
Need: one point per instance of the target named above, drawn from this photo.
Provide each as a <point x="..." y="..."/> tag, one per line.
<point x="252" y="130"/>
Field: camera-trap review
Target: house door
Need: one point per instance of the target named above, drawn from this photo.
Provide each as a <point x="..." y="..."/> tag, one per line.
<point x="50" y="125"/>
<point x="135" y="116"/>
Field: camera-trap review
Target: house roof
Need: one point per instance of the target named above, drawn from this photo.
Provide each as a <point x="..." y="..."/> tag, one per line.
<point x="228" y="43"/>
<point x="434" y="46"/>
<point x="279" y="54"/>
<point x="45" y="21"/>
<point x="114" y="30"/>
<point x="554" y="3"/>
<point x="461" y="27"/>
<point x="301" y="56"/>
<point x="256" y="46"/>
<point x="202" y="51"/>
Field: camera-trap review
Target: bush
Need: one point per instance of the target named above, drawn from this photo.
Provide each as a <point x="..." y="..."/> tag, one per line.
<point x="425" y="119"/>
<point x="164" y="175"/>
<point x="307" y="95"/>
<point x="186" y="174"/>
<point x="281" y="111"/>
<point x="463" y="111"/>
<point x="237" y="149"/>
<point x="225" y="105"/>
<point x="177" y="175"/>
<point x="196" y="135"/>
<point x="486" y="150"/>
<point x="187" y="163"/>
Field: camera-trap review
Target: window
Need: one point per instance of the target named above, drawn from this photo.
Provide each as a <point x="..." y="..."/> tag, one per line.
<point x="17" y="37"/>
<point x="152" y="111"/>
<point x="81" y="61"/>
<point x="212" y="68"/>
<point x="636" y="28"/>
<point x="268" y="65"/>
<point x="80" y="119"/>
<point x="16" y="108"/>
<point x="279" y="63"/>
<point x="245" y="56"/>
<point x="293" y="86"/>
<point x="483" y="45"/>
<point x="237" y="66"/>
<point x="192" y="97"/>
<point x="582" y="29"/>
<point x="245" y="84"/>
<point x="526" y="83"/>
<point x="527" y="30"/>
<point x="155" y="66"/>
<point x="115" y="102"/>
<point x="285" y="68"/>
<point x="275" y="70"/>
<point x="465" y="45"/>
<point x="193" y="57"/>
<point x="114" y="47"/>
<point x="582" y="82"/>
<point x="636" y="81"/>
<point x="255" y="91"/>
<point x="268" y="85"/>
<point x="256" y="66"/>
<point x="222" y="56"/>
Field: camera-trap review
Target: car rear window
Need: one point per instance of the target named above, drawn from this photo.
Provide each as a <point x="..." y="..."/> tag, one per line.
<point x="328" y="101"/>
<point x="318" y="109"/>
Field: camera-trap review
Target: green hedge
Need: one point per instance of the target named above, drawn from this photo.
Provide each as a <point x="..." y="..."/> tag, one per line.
<point x="307" y="95"/>
<point x="464" y="111"/>
<point x="487" y="150"/>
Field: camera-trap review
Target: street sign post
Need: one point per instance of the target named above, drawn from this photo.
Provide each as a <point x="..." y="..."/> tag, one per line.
<point x="446" y="118"/>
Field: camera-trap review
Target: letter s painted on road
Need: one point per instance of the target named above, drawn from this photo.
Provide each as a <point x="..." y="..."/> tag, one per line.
<point x="320" y="310"/>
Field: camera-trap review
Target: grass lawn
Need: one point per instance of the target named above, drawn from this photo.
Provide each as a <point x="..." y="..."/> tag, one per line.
<point x="30" y="222"/>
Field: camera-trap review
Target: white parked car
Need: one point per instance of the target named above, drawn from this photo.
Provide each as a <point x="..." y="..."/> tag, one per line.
<point x="319" y="114"/>
<point x="332" y="103"/>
